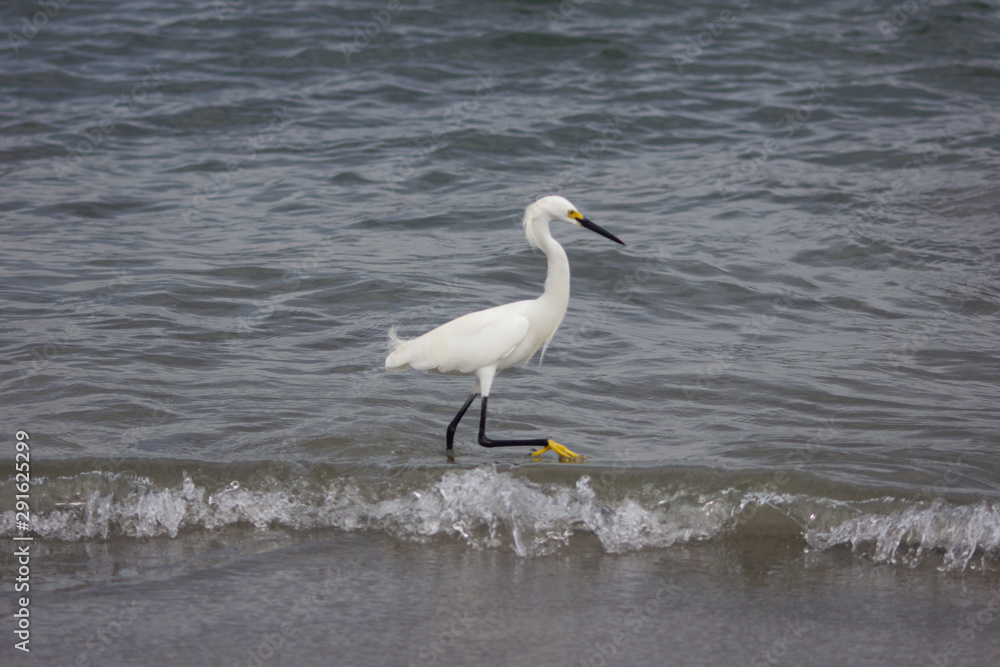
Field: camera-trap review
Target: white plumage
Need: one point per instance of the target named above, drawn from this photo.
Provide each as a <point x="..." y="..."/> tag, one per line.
<point x="488" y="341"/>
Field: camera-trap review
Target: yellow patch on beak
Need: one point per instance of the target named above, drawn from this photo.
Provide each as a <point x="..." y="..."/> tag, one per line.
<point x="575" y="215"/>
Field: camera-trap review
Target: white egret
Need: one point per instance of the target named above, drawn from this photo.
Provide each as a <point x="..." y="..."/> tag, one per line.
<point x="487" y="341"/>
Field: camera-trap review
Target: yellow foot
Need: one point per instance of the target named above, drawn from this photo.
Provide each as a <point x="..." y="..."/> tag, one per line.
<point x="564" y="454"/>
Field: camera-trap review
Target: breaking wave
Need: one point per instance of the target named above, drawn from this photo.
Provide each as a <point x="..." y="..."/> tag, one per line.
<point x="505" y="509"/>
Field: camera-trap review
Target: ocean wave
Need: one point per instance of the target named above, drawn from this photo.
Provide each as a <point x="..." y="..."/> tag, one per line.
<point x="491" y="509"/>
<point x="908" y="535"/>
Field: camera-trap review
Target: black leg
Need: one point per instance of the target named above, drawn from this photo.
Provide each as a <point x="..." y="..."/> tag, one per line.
<point x="486" y="442"/>
<point x="450" y="437"/>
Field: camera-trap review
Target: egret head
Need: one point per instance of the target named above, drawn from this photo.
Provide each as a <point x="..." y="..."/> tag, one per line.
<point x="538" y="216"/>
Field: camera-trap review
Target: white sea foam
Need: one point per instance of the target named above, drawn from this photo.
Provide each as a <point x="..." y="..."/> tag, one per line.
<point x="906" y="535"/>
<point x="489" y="509"/>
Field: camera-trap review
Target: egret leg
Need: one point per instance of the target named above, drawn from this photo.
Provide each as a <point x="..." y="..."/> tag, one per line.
<point x="544" y="443"/>
<point x="450" y="437"/>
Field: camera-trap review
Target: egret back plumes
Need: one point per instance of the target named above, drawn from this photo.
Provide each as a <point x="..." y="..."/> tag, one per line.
<point x="500" y="336"/>
<point x="487" y="341"/>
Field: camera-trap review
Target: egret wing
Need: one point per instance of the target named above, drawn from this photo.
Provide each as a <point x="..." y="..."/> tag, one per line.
<point x="470" y="342"/>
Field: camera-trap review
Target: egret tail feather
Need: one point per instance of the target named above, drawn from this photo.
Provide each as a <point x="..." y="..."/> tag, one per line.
<point x="394" y="339"/>
<point x="397" y="345"/>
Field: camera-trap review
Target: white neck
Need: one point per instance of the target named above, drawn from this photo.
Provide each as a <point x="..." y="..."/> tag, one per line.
<point x="556" y="293"/>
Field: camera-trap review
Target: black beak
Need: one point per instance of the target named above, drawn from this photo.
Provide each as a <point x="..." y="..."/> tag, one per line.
<point x="594" y="228"/>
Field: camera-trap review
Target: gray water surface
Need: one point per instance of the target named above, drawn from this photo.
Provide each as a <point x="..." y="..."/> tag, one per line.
<point x="212" y="213"/>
